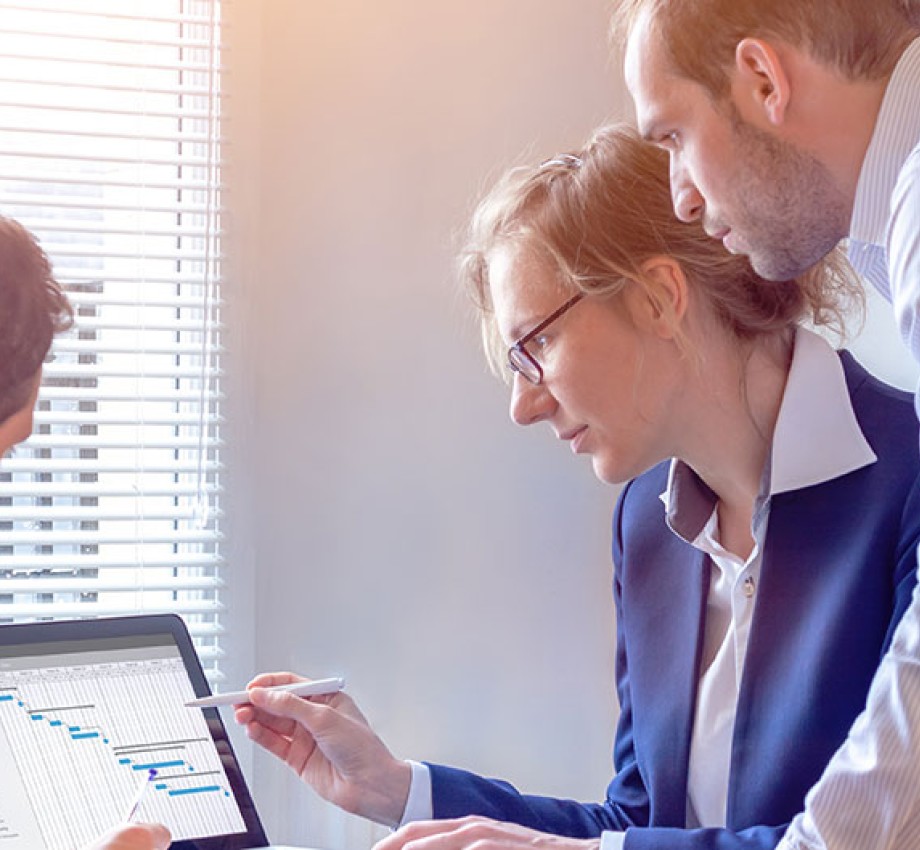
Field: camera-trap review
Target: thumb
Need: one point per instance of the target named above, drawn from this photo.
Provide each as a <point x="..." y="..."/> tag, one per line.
<point x="160" y="836"/>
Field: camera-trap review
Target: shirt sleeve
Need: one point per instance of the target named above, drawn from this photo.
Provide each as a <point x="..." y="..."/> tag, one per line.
<point x="869" y="795"/>
<point x="418" y="804"/>
<point x="903" y="250"/>
<point x="612" y="840"/>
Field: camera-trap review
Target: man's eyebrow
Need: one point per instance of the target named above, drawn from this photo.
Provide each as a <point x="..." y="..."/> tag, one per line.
<point x="649" y="128"/>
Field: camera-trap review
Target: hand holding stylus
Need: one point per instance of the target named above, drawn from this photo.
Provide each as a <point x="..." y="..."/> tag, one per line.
<point x="327" y="741"/>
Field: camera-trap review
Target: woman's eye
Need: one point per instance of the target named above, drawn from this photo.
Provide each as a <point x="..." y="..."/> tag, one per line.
<point x="540" y="341"/>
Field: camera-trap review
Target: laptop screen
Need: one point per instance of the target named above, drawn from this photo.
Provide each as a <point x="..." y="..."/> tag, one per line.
<point x="93" y="724"/>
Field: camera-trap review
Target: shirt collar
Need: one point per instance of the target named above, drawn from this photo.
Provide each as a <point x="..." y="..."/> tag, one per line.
<point x="816" y="439"/>
<point x="897" y="132"/>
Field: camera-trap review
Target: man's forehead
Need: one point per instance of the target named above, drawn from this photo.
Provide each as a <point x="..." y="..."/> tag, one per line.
<point x="648" y="77"/>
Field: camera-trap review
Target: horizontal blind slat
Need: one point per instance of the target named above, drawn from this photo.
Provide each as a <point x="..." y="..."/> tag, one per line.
<point x="72" y="513"/>
<point x="87" y="372"/>
<point x="179" y="562"/>
<point x="177" y="18"/>
<point x="91" y="394"/>
<point x="98" y="181"/>
<point x="182" y="66"/>
<point x="75" y="585"/>
<point x="80" y="419"/>
<point x="67" y="537"/>
<point x="62" y="610"/>
<point x="92" y="466"/>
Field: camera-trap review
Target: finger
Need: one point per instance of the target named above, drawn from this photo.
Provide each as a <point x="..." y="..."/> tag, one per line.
<point x="280" y="704"/>
<point x="277" y="745"/>
<point x="244" y="714"/>
<point x="420" y="833"/>
<point x="159" y="835"/>
<point x="270" y="680"/>
<point x="250" y="714"/>
<point x="136" y="836"/>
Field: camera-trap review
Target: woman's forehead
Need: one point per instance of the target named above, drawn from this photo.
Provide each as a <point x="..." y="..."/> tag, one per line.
<point x="524" y="285"/>
<point x="521" y="274"/>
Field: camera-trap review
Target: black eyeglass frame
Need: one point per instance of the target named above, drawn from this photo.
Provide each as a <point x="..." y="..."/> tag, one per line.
<point x="520" y="360"/>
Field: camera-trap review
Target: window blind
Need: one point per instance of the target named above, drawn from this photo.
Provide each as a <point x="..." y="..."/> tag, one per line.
<point x="110" y="154"/>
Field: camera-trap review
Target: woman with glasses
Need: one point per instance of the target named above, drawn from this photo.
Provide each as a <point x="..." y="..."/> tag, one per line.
<point x="763" y="546"/>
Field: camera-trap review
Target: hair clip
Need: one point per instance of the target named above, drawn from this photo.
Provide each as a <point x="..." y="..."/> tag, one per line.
<point x="565" y="159"/>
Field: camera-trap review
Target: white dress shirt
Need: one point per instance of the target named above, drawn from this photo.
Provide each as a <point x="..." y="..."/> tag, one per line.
<point x="816" y="439"/>
<point x="869" y="795"/>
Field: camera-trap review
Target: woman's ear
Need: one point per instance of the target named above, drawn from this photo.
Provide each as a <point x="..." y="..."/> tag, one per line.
<point x="760" y="83"/>
<point x="660" y="305"/>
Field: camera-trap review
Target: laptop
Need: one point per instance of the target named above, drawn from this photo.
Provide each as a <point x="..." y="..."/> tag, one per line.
<point x="93" y="725"/>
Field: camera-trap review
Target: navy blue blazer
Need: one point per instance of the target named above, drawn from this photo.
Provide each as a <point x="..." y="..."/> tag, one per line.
<point x="839" y="566"/>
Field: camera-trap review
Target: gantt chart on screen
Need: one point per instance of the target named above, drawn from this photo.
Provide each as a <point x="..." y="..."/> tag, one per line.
<point x="80" y="733"/>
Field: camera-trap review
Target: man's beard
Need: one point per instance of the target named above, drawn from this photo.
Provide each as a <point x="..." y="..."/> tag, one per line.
<point x="791" y="213"/>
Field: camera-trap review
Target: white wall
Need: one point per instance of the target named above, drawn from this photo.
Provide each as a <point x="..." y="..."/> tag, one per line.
<point x="386" y="521"/>
<point x="400" y="528"/>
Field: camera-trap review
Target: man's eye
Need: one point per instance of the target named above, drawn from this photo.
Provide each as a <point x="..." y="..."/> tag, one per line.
<point x="668" y="141"/>
<point x="540" y="341"/>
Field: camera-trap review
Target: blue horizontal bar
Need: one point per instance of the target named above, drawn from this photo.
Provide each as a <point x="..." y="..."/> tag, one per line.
<point x="6" y="698"/>
<point x="76" y="736"/>
<point x="35" y="716"/>
<point x="157" y="764"/>
<point x="56" y="723"/>
<point x="160" y="786"/>
<point x="124" y="761"/>
<point x="73" y="728"/>
<point x="200" y="790"/>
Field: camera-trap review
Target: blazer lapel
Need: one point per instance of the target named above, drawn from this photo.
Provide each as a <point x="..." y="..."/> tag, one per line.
<point x="665" y="612"/>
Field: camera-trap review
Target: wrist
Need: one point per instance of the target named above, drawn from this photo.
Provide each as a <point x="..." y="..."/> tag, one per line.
<point x="387" y="802"/>
<point x="400" y="783"/>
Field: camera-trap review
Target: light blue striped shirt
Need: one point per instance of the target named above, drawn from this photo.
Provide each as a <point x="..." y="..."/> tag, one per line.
<point x="869" y="796"/>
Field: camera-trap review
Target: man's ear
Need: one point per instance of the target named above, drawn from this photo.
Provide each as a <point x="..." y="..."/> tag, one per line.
<point x="761" y="81"/>
<point x="660" y="306"/>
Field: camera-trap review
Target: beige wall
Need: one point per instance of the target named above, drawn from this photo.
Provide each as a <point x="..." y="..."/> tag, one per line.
<point x="385" y="519"/>
<point x="384" y="515"/>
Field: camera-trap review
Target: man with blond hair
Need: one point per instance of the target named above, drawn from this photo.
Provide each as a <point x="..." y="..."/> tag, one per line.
<point x="790" y="125"/>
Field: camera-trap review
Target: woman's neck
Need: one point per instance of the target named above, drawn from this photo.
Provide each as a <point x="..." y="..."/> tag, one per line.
<point x="735" y="431"/>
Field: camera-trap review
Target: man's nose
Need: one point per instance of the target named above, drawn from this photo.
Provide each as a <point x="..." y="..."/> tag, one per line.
<point x="686" y="198"/>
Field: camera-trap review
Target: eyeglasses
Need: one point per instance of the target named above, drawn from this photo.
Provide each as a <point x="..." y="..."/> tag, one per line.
<point x="520" y="360"/>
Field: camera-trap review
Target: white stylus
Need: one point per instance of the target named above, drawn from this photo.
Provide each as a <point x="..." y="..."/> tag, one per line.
<point x="141" y="793"/>
<point x="301" y="689"/>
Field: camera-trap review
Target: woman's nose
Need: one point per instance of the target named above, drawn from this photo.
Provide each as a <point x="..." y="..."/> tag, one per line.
<point x="530" y="403"/>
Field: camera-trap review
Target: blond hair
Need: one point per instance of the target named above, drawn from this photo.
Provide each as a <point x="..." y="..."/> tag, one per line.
<point x="600" y="213"/>
<point x="861" y="39"/>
